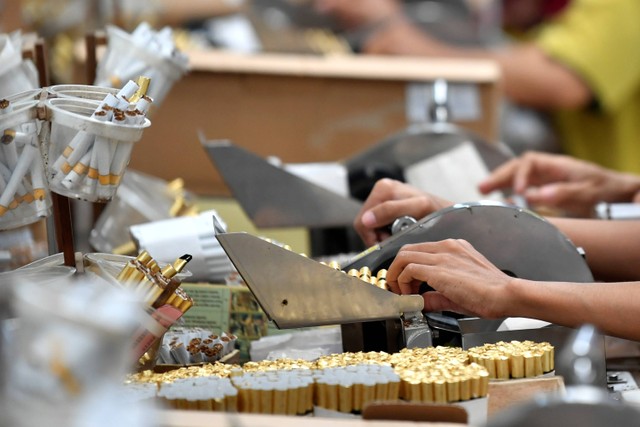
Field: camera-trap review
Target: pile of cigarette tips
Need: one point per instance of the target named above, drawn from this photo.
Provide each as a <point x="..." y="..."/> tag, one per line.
<point x="342" y="382"/>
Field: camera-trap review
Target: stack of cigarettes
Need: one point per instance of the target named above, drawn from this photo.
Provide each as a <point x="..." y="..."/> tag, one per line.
<point x="515" y="359"/>
<point x="282" y="391"/>
<point x="143" y="52"/>
<point x="203" y="393"/>
<point x="350" y="388"/>
<point x="439" y="375"/>
<point x="156" y="286"/>
<point x="90" y="165"/>
<point x="185" y="346"/>
<point x="24" y="196"/>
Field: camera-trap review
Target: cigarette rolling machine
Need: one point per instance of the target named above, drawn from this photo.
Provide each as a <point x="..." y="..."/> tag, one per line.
<point x="295" y="291"/>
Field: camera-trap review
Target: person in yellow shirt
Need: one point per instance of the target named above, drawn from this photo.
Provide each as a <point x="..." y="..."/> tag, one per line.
<point x="577" y="60"/>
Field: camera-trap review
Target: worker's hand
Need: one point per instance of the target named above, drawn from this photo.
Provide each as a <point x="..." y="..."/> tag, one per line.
<point x="463" y="279"/>
<point x="562" y="182"/>
<point x="353" y="14"/>
<point x="389" y="200"/>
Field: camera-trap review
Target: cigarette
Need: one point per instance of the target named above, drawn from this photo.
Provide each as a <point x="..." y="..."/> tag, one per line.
<point x="22" y="167"/>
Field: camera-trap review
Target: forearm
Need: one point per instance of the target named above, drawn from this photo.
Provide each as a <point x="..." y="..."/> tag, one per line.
<point x="611" y="247"/>
<point x="530" y="77"/>
<point x="611" y="307"/>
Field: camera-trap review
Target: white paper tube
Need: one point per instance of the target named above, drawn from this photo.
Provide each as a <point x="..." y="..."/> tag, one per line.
<point x="21" y="169"/>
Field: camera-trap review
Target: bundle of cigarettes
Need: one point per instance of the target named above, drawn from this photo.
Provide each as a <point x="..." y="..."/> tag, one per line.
<point x="89" y="164"/>
<point x="24" y="193"/>
<point x="439" y="375"/>
<point x="203" y="393"/>
<point x="156" y="286"/>
<point x="515" y="359"/>
<point x="143" y="52"/>
<point x="185" y="346"/>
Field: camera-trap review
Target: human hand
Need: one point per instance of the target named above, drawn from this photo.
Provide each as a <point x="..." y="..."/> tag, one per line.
<point x="558" y="181"/>
<point x="463" y="279"/>
<point x="390" y="199"/>
<point x="357" y="13"/>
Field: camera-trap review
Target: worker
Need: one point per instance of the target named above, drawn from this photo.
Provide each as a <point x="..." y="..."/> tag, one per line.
<point x="576" y="60"/>
<point x="556" y="181"/>
<point x="465" y="281"/>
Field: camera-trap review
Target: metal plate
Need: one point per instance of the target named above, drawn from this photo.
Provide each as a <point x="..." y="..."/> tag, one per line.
<point x="514" y="239"/>
<point x="425" y="140"/>
<point x="273" y="197"/>
<point x="295" y="291"/>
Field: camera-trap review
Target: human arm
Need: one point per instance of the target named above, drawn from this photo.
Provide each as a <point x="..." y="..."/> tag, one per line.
<point x="530" y="77"/>
<point x="559" y="181"/>
<point x="465" y="281"/>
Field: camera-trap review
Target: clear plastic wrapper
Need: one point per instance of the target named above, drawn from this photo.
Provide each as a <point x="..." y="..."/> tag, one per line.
<point x="24" y="192"/>
<point x="87" y="152"/>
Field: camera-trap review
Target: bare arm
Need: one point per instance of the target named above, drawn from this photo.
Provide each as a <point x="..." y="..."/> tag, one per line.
<point x="530" y="76"/>
<point x="466" y="282"/>
<point x="612" y="247"/>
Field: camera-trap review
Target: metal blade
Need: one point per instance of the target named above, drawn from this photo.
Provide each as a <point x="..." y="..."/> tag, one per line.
<point x="295" y="291"/>
<point x="273" y="197"/>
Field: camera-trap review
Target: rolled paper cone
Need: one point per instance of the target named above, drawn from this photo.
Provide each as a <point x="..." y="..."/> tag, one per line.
<point x="368" y="392"/>
<point x="465" y="388"/>
<point x="490" y="364"/>
<point x="502" y="367"/>
<point x="205" y="405"/>
<point x="537" y="364"/>
<point x="426" y="390"/>
<point x="394" y="389"/>
<point x="358" y="390"/>
<point x="302" y="398"/>
<point x="517" y="365"/>
<point x="453" y="390"/>
<point x="244" y="399"/>
<point x="484" y="384"/>
<point x="280" y="399"/>
<point x="266" y="399"/>
<point x="292" y="398"/>
<point x="475" y="386"/>
<point x="232" y="400"/>
<point x="529" y="365"/>
<point x="440" y="391"/>
<point x="332" y="394"/>
<point x="321" y="394"/>
<point x="22" y="167"/>
<point x="255" y="405"/>
<point x="345" y="397"/>
<point x="381" y="389"/>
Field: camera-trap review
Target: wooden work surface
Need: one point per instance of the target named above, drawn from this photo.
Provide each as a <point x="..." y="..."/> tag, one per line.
<point x="220" y="419"/>
<point x="299" y="108"/>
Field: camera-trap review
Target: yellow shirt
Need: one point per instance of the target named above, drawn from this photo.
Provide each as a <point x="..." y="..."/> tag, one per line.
<point x="600" y="41"/>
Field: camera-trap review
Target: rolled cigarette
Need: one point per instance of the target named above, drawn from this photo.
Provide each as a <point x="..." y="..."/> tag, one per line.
<point x="78" y="171"/>
<point x="440" y="391"/>
<point x="502" y="367"/>
<point x="426" y="390"/>
<point x="517" y="365"/>
<point x="292" y="397"/>
<point x="345" y="396"/>
<point x="280" y="398"/>
<point x="9" y="149"/>
<point x="453" y="389"/>
<point x="22" y="167"/>
<point x="332" y="393"/>
<point x="465" y="388"/>
<point x="529" y="365"/>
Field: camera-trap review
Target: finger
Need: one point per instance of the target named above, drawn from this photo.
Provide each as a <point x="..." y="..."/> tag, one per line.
<point x="435" y="301"/>
<point x="522" y="176"/>
<point x="500" y="178"/>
